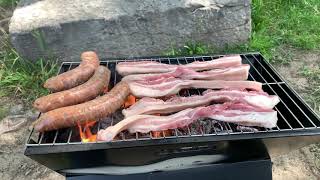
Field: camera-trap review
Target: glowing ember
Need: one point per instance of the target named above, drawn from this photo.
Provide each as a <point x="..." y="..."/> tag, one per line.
<point x="86" y="134"/>
<point x="158" y="134"/>
<point x="130" y="101"/>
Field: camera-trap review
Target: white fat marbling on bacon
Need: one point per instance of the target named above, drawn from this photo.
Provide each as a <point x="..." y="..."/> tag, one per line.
<point x="171" y="86"/>
<point x="142" y="67"/>
<point x="239" y="113"/>
<point x="236" y="73"/>
<point x="148" y="105"/>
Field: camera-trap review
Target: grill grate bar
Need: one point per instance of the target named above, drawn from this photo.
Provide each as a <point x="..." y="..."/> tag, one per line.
<point x="41" y="137"/>
<point x="176" y="132"/>
<point x="29" y="137"/>
<point x="277" y="109"/>
<point x="69" y="136"/>
<point x="275" y="93"/>
<point x="189" y="131"/>
<point x="284" y="91"/>
<point x="273" y="83"/>
<point x="163" y="135"/>
<point x="261" y="72"/>
<point x="214" y="128"/>
<point x="55" y="137"/>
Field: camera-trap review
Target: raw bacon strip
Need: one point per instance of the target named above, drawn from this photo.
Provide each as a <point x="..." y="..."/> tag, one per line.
<point x="142" y="67"/>
<point x="148" y="105"/>
<point x="237" y="73"/>
<point x="171" y="86"/>
<point x="239" y="113"/>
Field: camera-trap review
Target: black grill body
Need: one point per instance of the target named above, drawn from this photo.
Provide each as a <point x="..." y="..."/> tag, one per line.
<point x="63" y="149"/>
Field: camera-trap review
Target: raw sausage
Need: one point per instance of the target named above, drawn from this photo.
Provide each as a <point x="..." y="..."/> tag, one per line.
<point x="89" y="63"/>
<point x="76" y="95"/>
<point x="91" y="110"/>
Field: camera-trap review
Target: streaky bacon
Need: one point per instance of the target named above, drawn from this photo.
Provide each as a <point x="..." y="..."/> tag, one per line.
<point x="237" y="73"/>
<point x="148" y="105"/>
<point x="142" y="67"/>
<point x="239" y="113"/>
<point x="171" y="86"/>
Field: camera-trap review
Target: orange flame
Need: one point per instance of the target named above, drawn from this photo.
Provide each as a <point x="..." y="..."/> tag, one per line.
<point x="158" y="134"/>
<point x="86" y="134"/>
<point x="130" y="101"/>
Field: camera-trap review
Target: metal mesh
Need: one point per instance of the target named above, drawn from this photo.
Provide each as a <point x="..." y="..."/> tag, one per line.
<point x="295" y="116"/>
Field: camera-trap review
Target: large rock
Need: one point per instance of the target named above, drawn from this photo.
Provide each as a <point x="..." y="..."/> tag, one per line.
<point x="125" y="28"/>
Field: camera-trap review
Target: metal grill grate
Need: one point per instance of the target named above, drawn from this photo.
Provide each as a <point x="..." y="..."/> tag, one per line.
<point x="295" y="116"/>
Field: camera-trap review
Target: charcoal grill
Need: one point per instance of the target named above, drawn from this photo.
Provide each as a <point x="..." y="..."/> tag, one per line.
<point x="63" y="151"/>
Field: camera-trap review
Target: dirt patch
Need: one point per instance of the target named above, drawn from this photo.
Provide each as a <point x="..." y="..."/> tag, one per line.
<point x="293" y="73"/>
<point x="14" y="165"/>
<point x="303" y="163"/>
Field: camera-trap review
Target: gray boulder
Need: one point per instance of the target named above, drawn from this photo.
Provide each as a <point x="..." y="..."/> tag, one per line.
<point x="125" y="28"/>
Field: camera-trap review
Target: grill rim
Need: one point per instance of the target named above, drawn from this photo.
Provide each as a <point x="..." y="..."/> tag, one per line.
<point x="68" y="147"/>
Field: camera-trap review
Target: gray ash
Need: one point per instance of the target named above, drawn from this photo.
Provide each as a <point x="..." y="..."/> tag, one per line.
<point x="246" y="129"/>
<point x="112" y="119"/>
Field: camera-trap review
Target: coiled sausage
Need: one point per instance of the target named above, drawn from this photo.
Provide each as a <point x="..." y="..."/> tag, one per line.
<point x="89" y="63"/>
<point x="76" y="95"/>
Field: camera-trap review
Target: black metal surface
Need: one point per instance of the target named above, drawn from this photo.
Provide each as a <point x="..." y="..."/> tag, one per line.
<point x="296" y="118"/>
<point x="234" y="151"/>
<point x="248" y="170"/>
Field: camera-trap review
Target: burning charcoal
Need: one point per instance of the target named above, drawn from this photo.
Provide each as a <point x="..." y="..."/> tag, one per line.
<point x="63" y="135"/>
<point x="118" y="137"/>
<point x="183" y="131"/>
<point x="144" y="135"/>
<point x="165" y="133"/>
<point x="207" y="126"/>
<point x="195" y="128"/>
<point x="128" y="135"/>
<point x="105" y="122"/>
<point x="112" y="119"/>
<point x="220" y="127"/>
<point x="117" y="116"/>
<point x="246" y="129"/>
<point x="121" y="135"/>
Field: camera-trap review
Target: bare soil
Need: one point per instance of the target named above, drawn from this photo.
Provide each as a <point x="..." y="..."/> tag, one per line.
<point x="13" y="164"/>
<point x="302" y="163"/>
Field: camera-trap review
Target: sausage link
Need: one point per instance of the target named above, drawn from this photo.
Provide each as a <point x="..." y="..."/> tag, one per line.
<point x="91" y="110"/>
<point x="76" y="95"/>
<point x="89" y="63"/>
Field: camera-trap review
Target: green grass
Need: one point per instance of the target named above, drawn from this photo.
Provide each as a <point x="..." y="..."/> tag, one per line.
<point x="8" y="3"/>
<point x="277" y="25"/>
<point x="21" y="78"/>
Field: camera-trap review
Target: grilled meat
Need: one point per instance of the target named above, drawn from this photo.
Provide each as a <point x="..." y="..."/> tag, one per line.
<point x="171" y="86"/>
<point x="231" y="73"/>
<point x="148" y="105"/>
<point x="74" y="77"/>
<point x="239" y="113"/>
<point x="141" y="67"/>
